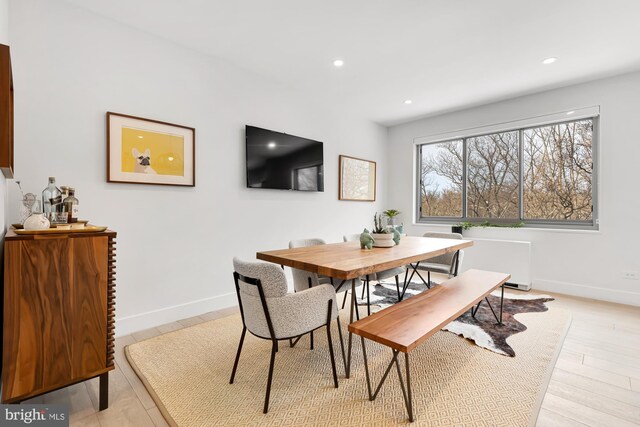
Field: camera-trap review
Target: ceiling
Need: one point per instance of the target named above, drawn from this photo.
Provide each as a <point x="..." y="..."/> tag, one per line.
<point x="442" y="54"/>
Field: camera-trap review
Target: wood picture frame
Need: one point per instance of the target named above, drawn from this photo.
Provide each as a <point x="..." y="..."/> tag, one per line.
<point x="357" y="179"/>
<point x="146" y="151"/>
<point x="6" y="112"/>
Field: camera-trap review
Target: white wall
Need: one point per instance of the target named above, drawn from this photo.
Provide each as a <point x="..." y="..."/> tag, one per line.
<point x="4" y="22"/>
<point x="589" y="264"/>
<point x="175" y="245"/>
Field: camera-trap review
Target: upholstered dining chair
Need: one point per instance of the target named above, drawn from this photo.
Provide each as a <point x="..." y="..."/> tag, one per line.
<point x="378" y="277"/>
<point x="305" y="279"/>
<point x="448" y="264"/>
<point x="269" y="312"/>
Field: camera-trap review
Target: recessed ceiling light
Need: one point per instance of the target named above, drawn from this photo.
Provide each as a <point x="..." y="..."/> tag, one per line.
<point x="549" y="61"/>
<point x="271" y="145"/>
<point x="338" y="63"/>
<point x="170" y="159"/>
<point x="570" y="112"/>
<point x="140" y="136"/>
<point x="408" y="101"/>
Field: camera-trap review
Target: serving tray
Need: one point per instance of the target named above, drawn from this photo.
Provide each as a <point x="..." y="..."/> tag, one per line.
<point x="86" y="229"/>
<point x="80" y="221"/>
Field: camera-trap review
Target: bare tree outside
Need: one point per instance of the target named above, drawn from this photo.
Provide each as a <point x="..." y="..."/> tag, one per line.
<point x="558" y="171"/>
<point x="441" y="179"/>
<point x="557" y="174"/>
<point x="493" y="175"/>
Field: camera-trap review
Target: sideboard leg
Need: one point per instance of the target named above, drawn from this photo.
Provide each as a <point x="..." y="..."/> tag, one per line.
<point x="104" y="391"/>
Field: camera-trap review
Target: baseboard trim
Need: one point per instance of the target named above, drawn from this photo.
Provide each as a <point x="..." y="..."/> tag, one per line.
<point x="593" y="292"/>
<point x="138" y="322"/>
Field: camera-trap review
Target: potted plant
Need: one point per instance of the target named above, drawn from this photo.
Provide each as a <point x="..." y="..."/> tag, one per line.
<point x="457" y="228"/>
<point x="391" y="214"/>
<point x="383" y="236"/>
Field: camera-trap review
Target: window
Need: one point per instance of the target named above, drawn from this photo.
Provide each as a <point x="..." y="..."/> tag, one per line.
<point x="539" y="175"/>
<point x="441" y="182"/>
<point x="558" y="168"/>
<point x="492" y="176"/>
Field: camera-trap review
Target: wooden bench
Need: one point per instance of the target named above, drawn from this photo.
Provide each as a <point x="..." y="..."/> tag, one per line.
<point x="409" y="323"/>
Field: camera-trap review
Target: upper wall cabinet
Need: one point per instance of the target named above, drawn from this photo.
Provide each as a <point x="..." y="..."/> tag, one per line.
<point x="6" y="113"/>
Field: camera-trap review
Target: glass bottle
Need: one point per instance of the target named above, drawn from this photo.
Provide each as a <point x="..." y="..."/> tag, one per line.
<point x="51" y="198"/>
<point x="71" y="206"/>
<point x="65" y="193"/>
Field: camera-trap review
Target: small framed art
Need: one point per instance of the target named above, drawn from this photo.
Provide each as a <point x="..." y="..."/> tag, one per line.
<point x="357" y="180"/>
<point x="145" y="151"/>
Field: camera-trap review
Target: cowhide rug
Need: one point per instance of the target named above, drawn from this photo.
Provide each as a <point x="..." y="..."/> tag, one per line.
<point x="483" y="329"/>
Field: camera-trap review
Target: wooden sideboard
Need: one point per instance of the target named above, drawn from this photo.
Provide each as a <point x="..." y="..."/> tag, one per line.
<point x="59" y="312"/>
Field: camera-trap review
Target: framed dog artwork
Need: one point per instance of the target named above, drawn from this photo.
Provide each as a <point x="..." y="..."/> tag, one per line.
<point x="145" y="151"/>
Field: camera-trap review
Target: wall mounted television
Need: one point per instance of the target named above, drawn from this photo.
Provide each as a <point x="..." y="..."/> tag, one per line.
<point x="285" y="162"/>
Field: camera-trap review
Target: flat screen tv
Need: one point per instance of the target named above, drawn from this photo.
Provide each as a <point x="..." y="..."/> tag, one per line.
<point x="284" y="162"/>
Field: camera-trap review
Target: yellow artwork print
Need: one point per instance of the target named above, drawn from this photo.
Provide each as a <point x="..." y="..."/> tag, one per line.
<point x="152" y="152"/>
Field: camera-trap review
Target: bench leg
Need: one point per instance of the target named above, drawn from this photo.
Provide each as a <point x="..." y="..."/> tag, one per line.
<point x="406" y="392"/>
<point x="409" y="401"/>
<point x="498" y="318"/>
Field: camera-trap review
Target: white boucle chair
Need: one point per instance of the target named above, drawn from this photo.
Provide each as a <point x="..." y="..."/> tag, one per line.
<point x="270" y="313"/>
<point x="381" y="275"/>
<point x="305" y="279"/>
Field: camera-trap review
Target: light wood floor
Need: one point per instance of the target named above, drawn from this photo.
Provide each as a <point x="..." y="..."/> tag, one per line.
<point x="596" y="381"/>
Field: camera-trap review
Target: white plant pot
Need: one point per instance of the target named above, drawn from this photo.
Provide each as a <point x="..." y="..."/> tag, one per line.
<point x="383" y="240"/>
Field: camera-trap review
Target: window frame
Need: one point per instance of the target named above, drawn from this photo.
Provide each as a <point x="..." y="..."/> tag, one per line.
<point x="592" y="224"/>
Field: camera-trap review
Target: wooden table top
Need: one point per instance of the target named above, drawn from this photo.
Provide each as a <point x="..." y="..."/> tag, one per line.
<point x="407" y="324"/>
<point x="348" y="261"/>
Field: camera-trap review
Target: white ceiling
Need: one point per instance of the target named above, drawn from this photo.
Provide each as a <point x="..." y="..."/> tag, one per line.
<point x="442" y="54"/>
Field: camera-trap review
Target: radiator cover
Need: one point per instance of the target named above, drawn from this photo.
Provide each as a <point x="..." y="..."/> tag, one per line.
<point x="505" y="256"/>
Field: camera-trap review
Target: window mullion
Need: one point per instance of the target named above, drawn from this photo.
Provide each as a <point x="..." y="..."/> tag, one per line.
<point x="521" y="174"/>
<point x="419" y="181"/>
<point x="464" y="178"/>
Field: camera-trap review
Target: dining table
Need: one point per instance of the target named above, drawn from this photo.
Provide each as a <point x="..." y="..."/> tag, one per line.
<point x="347" y="261"/>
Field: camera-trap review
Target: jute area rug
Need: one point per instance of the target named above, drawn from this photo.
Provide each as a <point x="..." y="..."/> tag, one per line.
<point x="454" y="381"/>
